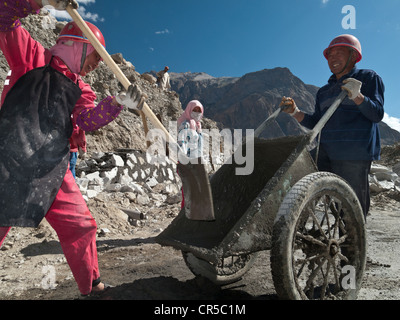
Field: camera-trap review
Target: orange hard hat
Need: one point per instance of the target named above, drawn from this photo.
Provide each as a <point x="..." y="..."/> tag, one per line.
<point x="71" y="31"/>
<point x="346" y="40"/>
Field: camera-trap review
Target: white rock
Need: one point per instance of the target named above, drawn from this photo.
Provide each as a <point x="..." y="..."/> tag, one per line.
<point x="132" y="157"/>
<point x="151" y="182"/>
<point x="130" y="164"/>
<point x="91" y="193"/>
<point x="114" y="187"/>
<point x="117" y="161"/>
<point x="170" y="174"/>
<point x="93" y="176"/>
<point x="386" y="175"/>
<point x="98" y="155"/>
<point x="143" y="199"/>
<point x="110" y="174"/>
<point x="378" y="168"/>
<point x="136" y="188"/>
<point x="171" y="189"/>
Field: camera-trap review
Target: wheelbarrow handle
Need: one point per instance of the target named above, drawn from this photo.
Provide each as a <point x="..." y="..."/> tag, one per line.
<point x="328" y="114"/>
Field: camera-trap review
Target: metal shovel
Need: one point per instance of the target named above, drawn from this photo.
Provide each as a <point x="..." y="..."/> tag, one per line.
<point x="263" y="125"/>
<point x="317" y="129"/>
<point x="195" y="182"/>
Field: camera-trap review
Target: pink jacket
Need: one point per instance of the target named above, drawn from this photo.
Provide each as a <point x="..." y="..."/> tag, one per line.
<point x="23" y="54"/>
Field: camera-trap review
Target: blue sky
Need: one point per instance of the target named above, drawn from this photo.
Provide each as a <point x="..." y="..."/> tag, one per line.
<point x="234" y="37"/>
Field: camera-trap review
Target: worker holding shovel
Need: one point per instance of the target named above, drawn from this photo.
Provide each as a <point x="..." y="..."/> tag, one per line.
<point x="350" y="140"/>
<point x="43" y="89"/>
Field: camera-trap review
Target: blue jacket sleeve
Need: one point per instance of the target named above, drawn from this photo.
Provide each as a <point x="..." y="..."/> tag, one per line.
<point x="373" y="89"/>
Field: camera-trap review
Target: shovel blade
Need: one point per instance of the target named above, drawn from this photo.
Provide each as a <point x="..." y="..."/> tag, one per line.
<point x="197" y="194"/>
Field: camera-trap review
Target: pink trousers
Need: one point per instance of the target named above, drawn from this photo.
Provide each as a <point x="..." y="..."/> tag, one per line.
<point x="70" y="217"/>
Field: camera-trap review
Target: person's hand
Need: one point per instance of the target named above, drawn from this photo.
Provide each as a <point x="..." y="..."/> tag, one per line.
<point x="353" y="87"/>
<point x="134" y="98"/>
<point x="289" y="106"/>
<point x="60" y="4"/>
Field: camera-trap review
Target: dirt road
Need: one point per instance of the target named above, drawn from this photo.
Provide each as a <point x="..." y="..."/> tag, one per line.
<point x="32" y="265"/>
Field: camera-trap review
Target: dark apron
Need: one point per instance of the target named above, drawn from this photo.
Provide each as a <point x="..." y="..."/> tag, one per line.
<point x="35" y="127"/>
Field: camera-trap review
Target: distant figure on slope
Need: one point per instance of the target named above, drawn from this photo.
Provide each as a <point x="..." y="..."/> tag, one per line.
<point x="163" y="79"/>
<point x="44" y="89"/>
<point x="350" y="141"/>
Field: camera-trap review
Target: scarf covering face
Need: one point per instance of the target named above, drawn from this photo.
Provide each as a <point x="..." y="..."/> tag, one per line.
<point x="71" y="53"/>
<point x="186" y="116"/>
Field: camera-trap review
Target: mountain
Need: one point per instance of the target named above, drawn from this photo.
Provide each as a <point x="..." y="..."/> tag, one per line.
<point x="126" y="132"/>
<point x="229" y="102"/>
<point x="245" y="102"/>
<point x="389" y="136"/>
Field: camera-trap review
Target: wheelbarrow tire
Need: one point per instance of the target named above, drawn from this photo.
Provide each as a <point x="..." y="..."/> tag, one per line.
<point x="319" y="241"/>
<point x="232" y="271"/>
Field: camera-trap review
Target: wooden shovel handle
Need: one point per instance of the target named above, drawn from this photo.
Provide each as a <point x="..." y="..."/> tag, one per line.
<point x="146" y="111"/>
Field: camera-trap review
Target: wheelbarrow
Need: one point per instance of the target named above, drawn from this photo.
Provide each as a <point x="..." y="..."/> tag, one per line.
<point x="311" y="221"/>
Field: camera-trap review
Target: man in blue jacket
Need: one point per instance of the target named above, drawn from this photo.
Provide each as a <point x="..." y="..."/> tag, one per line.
<point x="350" y="140"/>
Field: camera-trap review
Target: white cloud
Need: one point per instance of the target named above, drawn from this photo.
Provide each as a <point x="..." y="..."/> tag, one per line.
<point x="325" y="1"/>
<point x="89" y="15"/>
<point x="63" y="15"/>
<point x="165" y="31"/>
<point x="86" y="1"/>
<point x="392" y="122"/>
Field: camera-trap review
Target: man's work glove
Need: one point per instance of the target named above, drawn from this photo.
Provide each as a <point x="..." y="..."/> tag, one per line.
<point x="353" y="87"/>
<point x="60" y="4"/>
<point x="289" y="106"/>
<point x="133" y="98"/>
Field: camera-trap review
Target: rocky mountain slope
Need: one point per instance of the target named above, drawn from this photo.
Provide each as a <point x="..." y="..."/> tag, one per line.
<point x="246" y="101"/>
<point x="236" y="103"/>
<point x="126" y="132"/>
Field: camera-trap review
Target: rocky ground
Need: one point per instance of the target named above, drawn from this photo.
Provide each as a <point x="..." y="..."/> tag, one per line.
<point x="32" y="266"/>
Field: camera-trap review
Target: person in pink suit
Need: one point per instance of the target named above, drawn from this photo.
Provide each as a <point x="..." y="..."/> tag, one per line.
<point x="43" y="91"/>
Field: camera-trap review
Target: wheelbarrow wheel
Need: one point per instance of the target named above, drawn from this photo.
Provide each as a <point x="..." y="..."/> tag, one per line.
<point x="228" y="271"/>
<point x="319" y="241"/>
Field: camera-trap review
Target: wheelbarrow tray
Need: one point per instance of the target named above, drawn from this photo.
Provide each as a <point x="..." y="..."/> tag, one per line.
<point x="245" y="206"/>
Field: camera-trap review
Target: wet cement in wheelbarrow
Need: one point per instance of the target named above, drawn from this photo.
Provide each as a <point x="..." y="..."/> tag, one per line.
<point x="232" y="196"/>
